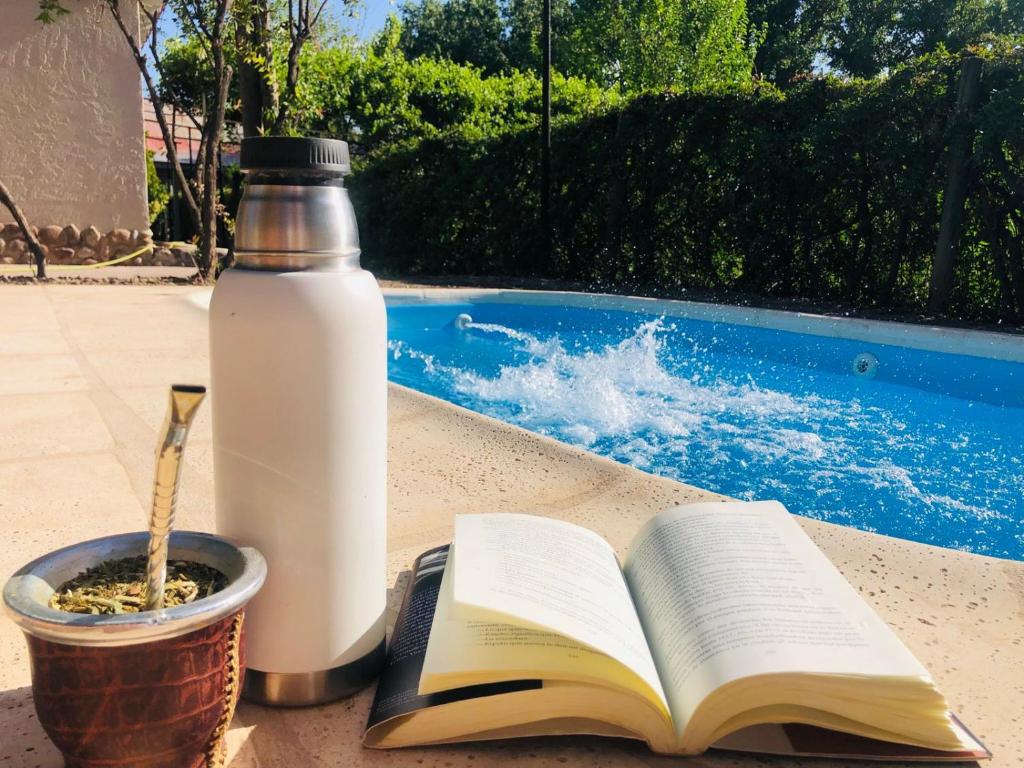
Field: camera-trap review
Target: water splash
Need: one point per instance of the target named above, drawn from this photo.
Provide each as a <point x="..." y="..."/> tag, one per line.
<point x="623" y="400"/>
<point x="624" y="392"/>
<point x="527" y="341"/>
<point x="657" y="401"/>
<point x="431" y="367"/>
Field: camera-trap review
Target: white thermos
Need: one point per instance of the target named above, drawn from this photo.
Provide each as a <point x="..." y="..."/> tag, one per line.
<point x="298" y="352"/>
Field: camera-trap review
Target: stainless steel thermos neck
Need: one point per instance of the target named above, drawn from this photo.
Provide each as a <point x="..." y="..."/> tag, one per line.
<point x="287" y="226"/>
<point x="295" y="212"/>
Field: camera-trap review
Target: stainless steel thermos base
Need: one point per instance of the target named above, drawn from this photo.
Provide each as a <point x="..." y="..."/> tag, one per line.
<point x="303" y="689"/>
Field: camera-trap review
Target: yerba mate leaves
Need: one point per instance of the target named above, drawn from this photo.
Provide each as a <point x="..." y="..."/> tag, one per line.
<point x="119" y="586"/>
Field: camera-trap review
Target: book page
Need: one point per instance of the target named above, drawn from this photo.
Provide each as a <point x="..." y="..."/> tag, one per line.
<point x="730" y="590"/>
<point x="467" y="652"/>
<point x="548" y="575"/>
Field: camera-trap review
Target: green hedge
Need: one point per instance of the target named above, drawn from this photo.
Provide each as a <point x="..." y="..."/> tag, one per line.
<point x="829" y="192"/>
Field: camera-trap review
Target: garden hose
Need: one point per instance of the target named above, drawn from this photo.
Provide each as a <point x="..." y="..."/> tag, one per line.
<point x="109" y="263"/>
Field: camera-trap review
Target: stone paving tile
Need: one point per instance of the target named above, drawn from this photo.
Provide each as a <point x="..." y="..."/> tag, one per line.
<point x="46" y="504"/>
<point x="30" y="373"/>
<point x="148" y="367"/>
<point x="147" y="319"/>
<point x="47" y="424"/>
<point x="26" y="308"/>
<point x="15" y="342"/>
<point x="150" y="332"/>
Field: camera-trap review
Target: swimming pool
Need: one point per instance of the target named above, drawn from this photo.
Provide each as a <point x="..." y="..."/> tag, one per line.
<point x="922" y="445"/>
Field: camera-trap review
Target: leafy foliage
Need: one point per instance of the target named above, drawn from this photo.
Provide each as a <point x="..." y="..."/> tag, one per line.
<point x="378" y="99"/>
<point x="648" y="45"/>
<point x="50" y="11"/>
<point x="465" y="31"/>
<point x="872" y="36"/>
<point x="635" y="45"/>
<point x="793" y="33"/>
<point x="523" y="22"/>
<point x="186" y="81"/>
<point x="673" y="166"/>
<point x="156" y="190"/>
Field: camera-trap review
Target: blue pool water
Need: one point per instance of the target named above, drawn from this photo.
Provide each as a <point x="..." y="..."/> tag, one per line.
<point x="930" y="449"/>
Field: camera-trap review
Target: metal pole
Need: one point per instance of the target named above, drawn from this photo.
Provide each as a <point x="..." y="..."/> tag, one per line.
<point x="545" y="129"/>
<point x="175" y="210"/>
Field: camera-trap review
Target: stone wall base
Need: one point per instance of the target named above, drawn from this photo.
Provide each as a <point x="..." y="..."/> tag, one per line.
<point x="71" y="245"/>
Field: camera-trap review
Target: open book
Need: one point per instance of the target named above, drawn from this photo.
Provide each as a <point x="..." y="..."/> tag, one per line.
<point x="725" y="627"/>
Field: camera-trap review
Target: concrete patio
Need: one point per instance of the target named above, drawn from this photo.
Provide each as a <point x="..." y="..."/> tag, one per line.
<point x="84" y="371"/>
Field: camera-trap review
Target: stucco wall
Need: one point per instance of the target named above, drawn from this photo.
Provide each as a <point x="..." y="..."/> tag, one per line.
<point x="71" y="134"/>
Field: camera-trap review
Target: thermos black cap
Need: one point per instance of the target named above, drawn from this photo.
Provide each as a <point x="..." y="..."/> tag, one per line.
<point x="294" y="154"/>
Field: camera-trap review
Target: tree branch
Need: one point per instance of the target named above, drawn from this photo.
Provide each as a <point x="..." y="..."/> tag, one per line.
<point x="301" y="23"/>
<point x="213" y="125"/>
<point x="157" y="102"/>
<point x="19" y="217"/>
<point x="194" y="15"/>
<point x="316" y="16"/>
<point x="200" y="166"/>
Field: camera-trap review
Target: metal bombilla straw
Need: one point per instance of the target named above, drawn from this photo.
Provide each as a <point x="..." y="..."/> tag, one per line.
<point x="185" y="400"/>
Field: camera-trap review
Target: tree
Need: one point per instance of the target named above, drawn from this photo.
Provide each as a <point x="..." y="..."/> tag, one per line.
<point x="650" y="45"/>
<point x="186" y="78"/>
<point x="925" y="25"/>
<point x="265" y="28"/>
<point x="861" y="40"/>
<point x="523" y="24"/>
<point x="872" y="36"/>
<point x="266" y="53"/>
<point x="210" y="25"/>
<point x="465" y="31"/>
<point x="636" y="45"/>
<point x="961" y="147"/>
<point x="793" y="35"/>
